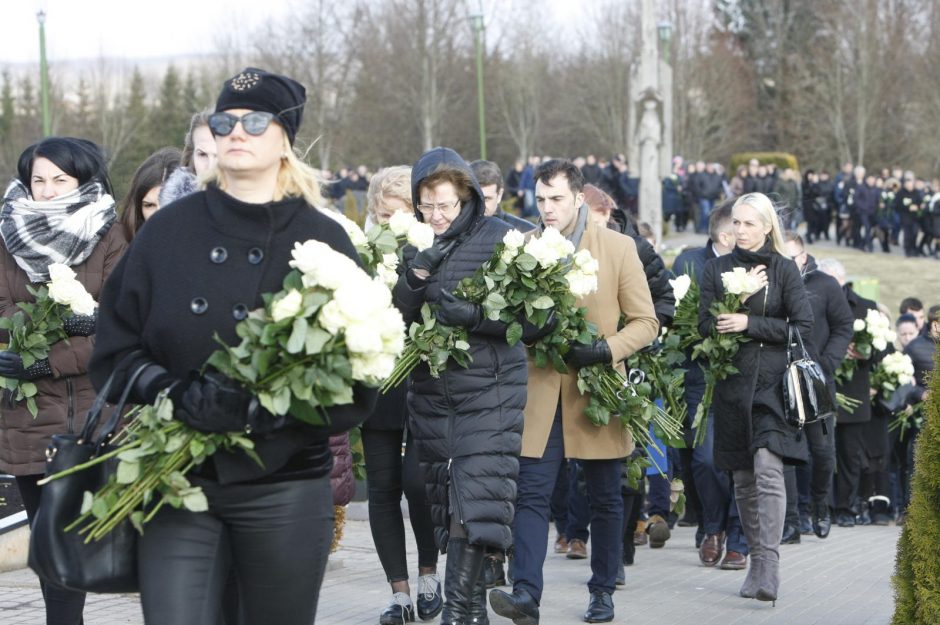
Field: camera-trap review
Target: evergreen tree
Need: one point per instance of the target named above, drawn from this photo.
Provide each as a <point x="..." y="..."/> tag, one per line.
<point x="917" y="576"/>
<point x="170" y="118"/>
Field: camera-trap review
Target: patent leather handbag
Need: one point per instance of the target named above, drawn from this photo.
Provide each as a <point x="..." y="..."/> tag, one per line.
<point x="806" y="396"/>
<point x="63" y="558"/>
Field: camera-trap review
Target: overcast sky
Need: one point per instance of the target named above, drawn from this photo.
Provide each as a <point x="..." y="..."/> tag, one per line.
<point x="87" y="29"/>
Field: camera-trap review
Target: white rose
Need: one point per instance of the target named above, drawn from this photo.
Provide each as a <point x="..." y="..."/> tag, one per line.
<point x="859" y="325"/>
<point x="372" y="368"/>
<point x="541" y="252"/>
<point x="386" y="274"/>
<point x="58" y="271"/>
<point x="391" y="327"/>
<point x="680" y="286"/>
<point x="356" y="235"/>
<point x="331" y="317"/>
<point x="400" y="222"/>
<point x="66" y="292"/>
<point x="891" y="336"/>
<point x="362" y="338"/>
<point x="420" y="235"/>
<point x="360" y="299"/>
<point x="508" y="255"/>
<point x="84" y="305"/>
<point x="287" y="306"/>
<point x="514" y="239"/>
<point x="904" y="379"/>
<point x="879" y="343"/>
<point x="586" y="263"/>
<point x="323" y="266"/>
<point x="736" y="281"/>
<point x="555" y="241"/>
<point x="581" y="284"/>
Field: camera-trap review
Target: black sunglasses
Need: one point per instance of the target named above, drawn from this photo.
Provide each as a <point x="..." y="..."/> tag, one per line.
<point x="255" y="123"/>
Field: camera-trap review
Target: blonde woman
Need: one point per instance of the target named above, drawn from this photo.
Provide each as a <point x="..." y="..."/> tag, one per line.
<point x="193" y="273"/>
<point x="752" y="438"/>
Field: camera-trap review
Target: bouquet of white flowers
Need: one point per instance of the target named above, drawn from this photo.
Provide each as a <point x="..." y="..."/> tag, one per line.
<point x="37" y="325"/>
<point x="895" y="370"/>
<point x="330" y="327"/>
<point x="873" y="333"/>
<point x="720" y="349"/>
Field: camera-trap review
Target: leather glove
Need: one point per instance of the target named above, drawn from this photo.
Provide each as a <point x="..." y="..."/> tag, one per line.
<point x="453" y="311"/>
<point x="11" y="366"/>
<point x="431" y="258"/>
<point x="216" y="403"/>
<point x="581" y="355"/>
<point x="531" y="333"/>
<point x="80" y="325"/>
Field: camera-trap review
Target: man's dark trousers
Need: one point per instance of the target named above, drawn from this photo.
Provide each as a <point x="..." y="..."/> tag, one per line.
<point x="530" y="529"/>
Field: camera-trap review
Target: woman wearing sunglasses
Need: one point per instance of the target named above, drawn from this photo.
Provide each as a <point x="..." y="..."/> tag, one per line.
<point x="197" y="269"/>
<point x="58" y="209"/>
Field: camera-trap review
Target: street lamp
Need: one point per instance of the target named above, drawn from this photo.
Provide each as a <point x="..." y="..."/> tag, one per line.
<point x="665" y="36"/>
<point x="44" y="75"/>
<point x="476" y="21"/>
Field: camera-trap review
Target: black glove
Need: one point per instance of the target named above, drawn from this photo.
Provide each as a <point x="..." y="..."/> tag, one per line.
<point x="80" y="325"/>
<point x="581" y="355"/>
<point x="216" y="403"/>
<point x="531" y="333"/>
<point x="431" y="258"/>
<point x="456" y="312"/>
<point x="11" y="366"/>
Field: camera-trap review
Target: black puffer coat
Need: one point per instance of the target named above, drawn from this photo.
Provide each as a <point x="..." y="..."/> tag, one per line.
<point x="748" y="406"/>
<point x="468" y="423"/>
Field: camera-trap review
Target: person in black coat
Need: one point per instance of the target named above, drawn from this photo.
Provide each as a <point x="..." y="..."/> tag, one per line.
<point x="830" y="338"/>
<point x="752" y="437"/>
<point x="720" y="531"/>
<point x="468" y="422"/>
<point x="907" y="205"/>
<point x="858" y="442"/>
<point x="196" y="270"/>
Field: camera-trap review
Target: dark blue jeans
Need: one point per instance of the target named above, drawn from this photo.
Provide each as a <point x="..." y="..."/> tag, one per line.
<point x="536" y="482"/>
<point x="559" y="502"/>
<point x="715" y="490"/>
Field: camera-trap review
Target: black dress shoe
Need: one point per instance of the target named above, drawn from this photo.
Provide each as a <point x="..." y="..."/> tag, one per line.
<point x="791" y="535"/>
<point x="493" y="572"/>
<point x="845" y="520"/>
<point x="518" y="606"/>
<point x="821" y="526"/>
<point x="600" y="609"/>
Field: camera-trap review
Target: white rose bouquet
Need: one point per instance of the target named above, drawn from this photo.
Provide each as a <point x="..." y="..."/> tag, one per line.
<point x="37" y="325"/>
<point x="535" y="279"/>
<point x="873" y="333"/>
<point x="719" y="349"/>
<point x="330" y="327"/>
<point x="895" y="370"/>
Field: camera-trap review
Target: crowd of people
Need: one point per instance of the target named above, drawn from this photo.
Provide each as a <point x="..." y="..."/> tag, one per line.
<point x="490" y="454"/>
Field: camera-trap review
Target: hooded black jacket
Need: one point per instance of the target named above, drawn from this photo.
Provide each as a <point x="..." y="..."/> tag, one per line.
<point x="468" y="422"/>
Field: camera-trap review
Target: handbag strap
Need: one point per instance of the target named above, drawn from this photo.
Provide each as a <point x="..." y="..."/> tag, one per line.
<point x="107" y="431"/>
<point x="791" y="331"/>
<point x="101" y="400"/>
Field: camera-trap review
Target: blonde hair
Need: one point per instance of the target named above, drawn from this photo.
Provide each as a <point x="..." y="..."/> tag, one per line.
<point x="768" y="216"/>
<point x="294" y="179"/>
<point x="389" y="182"/>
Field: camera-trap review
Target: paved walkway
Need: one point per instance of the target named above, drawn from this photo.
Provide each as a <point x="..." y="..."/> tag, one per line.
<point x="844" y="580"/>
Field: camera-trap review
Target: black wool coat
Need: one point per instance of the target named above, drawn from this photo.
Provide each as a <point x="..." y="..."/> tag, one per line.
<point x="748" y="405"/>
<point x="857" y="387"/>
<point x="467" y="423"/>
<point x="193" y="271"/>
<point x="832" y="320"/>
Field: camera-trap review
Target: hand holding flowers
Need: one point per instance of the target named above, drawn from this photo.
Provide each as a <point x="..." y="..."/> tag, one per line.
<point x="873" y="333"/>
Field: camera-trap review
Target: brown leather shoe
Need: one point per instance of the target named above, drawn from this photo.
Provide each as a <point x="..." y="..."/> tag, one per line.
<point x="577" y="550"/>
<point x="561" y="545"/>
<point x="734" y="561"/>
<point x="658" y="530"/>
<point x="712" y="547"/>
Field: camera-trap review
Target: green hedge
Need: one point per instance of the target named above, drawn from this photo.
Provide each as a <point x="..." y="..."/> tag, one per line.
<point x="783" y="160"/>
<point x="917" y="574"/>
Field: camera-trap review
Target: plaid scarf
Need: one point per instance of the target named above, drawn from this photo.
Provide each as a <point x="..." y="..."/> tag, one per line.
<point x="61" y="230"/>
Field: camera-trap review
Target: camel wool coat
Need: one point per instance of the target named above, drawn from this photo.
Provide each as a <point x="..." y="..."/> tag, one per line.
<point x="621" y="288"/>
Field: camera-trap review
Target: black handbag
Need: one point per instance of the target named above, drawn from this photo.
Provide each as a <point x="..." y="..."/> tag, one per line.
<point x="806" y="396"/>
<point x="63" y="558"/>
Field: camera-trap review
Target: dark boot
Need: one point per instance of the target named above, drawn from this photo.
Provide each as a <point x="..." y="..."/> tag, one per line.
<point x="464" y="570"/>
<point x="745" y="493"/>
<point x="771" y="510"/>
<point x="477" y="614"/>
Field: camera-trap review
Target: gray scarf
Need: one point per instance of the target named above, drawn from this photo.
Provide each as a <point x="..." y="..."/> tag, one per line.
<point x="579" y="227"/>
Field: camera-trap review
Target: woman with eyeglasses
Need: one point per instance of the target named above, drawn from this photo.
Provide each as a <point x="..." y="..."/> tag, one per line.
<point x="58" y="209"/>
<point x="467" y="423"/>
<point x="197" y="269"/>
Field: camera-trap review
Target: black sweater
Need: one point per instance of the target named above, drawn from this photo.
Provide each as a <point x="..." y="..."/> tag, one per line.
<point x="170" y="295"/>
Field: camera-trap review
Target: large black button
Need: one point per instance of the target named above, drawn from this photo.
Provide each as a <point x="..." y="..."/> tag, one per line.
<point x="218" y="255"/>
<point x="239" y="311"/>
<point x="199" y="305"/>
<point x="255" y="255"/>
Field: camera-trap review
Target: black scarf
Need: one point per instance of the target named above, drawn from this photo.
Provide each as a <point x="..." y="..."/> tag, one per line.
<point x="763" y="256"/>
<point x="64" y="230"/>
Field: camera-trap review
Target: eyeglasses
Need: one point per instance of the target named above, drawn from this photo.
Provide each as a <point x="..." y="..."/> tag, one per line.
<point x="255" y="123"/>
<point x="444" y="209"/>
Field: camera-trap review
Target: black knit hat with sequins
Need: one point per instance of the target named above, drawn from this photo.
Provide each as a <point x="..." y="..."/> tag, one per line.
<point x="258" y="90"/>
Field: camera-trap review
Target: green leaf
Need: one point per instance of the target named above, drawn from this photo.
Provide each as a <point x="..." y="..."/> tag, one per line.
<point x="298" y="335"/>
<point x="315" y="339"/>
<point x="307" y="412"/>
<point x="127" y="472"/>
<point x="195" y="500"/>
<point x="543" y="302"/>
<point x="282" y="401"/>
<point x="495" y="301"/>
<point x="514" y="333"/>
<point x="87" y="500"/>
<point x="99" y="508"/>
<point x="525" y="262"/>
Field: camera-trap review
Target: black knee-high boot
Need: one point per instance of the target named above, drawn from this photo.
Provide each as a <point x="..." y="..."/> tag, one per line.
<point x="477" y="614"/>
<point x="463" y="574"/>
